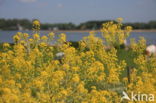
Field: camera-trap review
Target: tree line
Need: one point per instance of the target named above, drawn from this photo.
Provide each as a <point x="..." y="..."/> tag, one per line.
<point x="25" y="24"/>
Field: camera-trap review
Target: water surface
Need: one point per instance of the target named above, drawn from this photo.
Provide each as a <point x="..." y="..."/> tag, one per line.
<point x="6" y="36"/>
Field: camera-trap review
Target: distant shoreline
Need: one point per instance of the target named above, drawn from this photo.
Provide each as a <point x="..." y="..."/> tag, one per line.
<point x="83" y="31"/>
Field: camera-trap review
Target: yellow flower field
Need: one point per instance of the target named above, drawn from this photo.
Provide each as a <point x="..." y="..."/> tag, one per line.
<point x="34" y="71"/>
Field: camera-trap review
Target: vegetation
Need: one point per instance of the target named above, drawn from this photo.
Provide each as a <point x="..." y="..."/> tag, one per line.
<point x="31" y="71"/>
<point x="13" y="24"/>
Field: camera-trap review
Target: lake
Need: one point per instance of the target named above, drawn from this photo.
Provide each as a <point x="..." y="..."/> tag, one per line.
<point x="6" y="36"/>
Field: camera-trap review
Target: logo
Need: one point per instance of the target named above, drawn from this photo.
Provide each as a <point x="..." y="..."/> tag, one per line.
<point x="125" y="96"/>
<point x="137" y="97"/>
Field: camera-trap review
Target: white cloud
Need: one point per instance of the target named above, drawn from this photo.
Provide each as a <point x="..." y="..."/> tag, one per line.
<point x="27" y="1"/>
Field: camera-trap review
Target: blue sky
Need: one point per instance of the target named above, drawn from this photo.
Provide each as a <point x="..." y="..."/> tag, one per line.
<point x="77" y="11"/>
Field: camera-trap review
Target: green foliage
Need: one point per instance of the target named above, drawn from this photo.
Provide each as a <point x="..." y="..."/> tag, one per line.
<point x="12" y="24"/>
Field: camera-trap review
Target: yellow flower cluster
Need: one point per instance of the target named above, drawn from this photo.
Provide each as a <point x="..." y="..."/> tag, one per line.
<point x="114" y="34"/>
<point x="36" y="26"/>
<point x="31" y="72"/>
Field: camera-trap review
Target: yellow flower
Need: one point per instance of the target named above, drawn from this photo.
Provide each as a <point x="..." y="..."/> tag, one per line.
<point x="36" y="36"/>
<point x="36" y="26"/>
<point x="82" y="45"/>
<point x="31" y="40"/>
<point x="6" y="90"/>
<point x="36" y="22"/>
<point x="59" y="75"/>
<point x="119" y="20"/>
<point x="51" y="34"/>
<point x="66" y="66"/>
<point x="64" y="92"/>
<point x="101" y="77"/>
<point x="26" y="35"/>
<point x="75" y="69"/>
<point x="62" y="38"/>
<point x="19" y="34"/>
<point x="27" y="95"/>
<point x="6" y="45"/>
<point x="76" y="78"/>
<point x="93" y="87"/>
<point x="23" y="42"/>
<point x="16" y="38"/>
<point x="42" y="44"/>
<point x="84" y="102"/>
<point x="128" y="28"/>
<point x="1" y="80"/>
<point x="81" y="88"/>
<point x="38" y="83"/>
<point x="44" y="37"/>
<point x="44" y="74"/>
<point x="11" y="82"/>
<point x="18" y="85"/>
